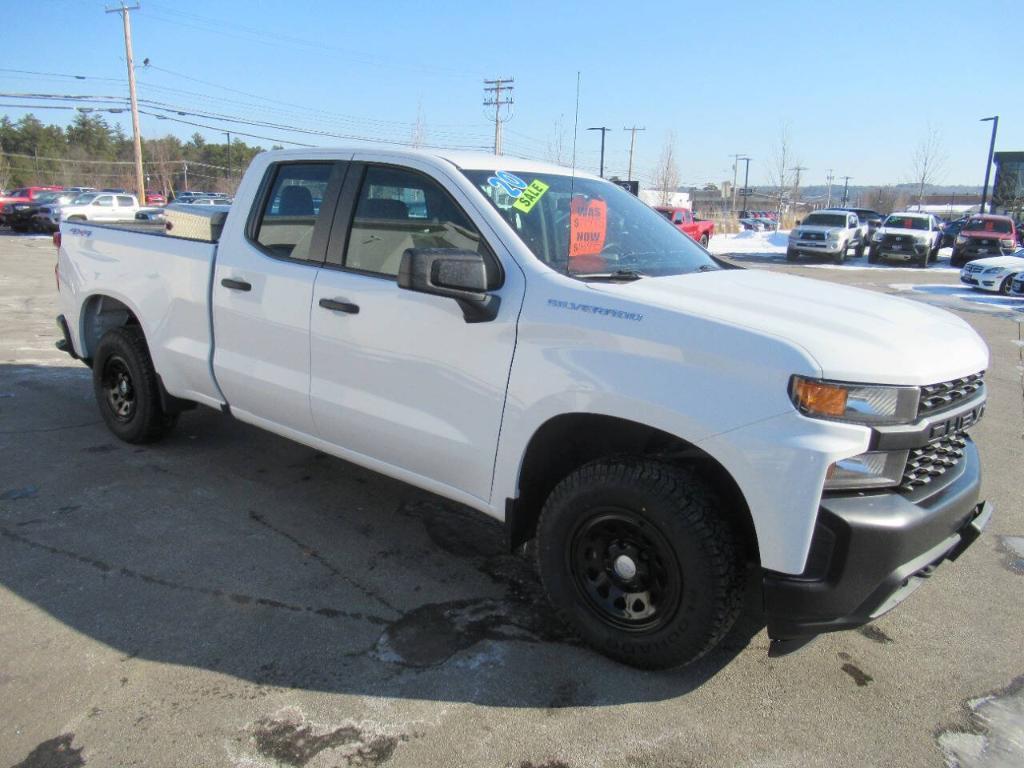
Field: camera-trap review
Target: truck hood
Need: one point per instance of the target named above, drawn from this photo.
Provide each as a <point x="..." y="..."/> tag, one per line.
<point x="816" y="228"/>
<point x="852" y="334"/>
<point x="980" y="233"/>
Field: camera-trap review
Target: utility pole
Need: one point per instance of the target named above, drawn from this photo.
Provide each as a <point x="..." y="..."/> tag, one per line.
<point x="230" y="174"/>
<point x="632" y="146"/>
<point x="140" y="186"/>
<point x="796" y="185"/>
<point x="846" y="189"/>
<point x="185" y="168"/>
<point x="603" y="131"/>
<point x="496" y="87"/>
<point x="746" y="180"/>
<point x="988" y="166"/>
<point x="828" y="178"/>
<point x="735" y="168"/>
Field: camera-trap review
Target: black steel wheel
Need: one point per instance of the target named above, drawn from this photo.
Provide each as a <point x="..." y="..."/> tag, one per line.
<point x="127" y="388"/>
<point x="640" y="558"/>
<point x="626" y="569"/>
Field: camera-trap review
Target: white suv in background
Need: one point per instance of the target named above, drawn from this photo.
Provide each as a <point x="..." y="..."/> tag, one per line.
<point x="829" y="232"/>
<point x="100" y="206"/>
<point x="907" y="236"/>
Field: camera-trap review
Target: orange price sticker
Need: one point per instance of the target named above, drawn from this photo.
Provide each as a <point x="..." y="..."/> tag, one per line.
<point x="588" y="223"/>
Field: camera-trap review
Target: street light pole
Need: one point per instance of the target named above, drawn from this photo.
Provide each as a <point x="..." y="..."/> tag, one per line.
<point x="603" y="131"/>
<point x="988" y="166"/>
<point x="735" y="169"/>
<point x="746" y="182"/>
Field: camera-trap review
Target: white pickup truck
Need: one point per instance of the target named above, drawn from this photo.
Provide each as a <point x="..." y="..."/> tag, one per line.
<point x="540" y="345"/>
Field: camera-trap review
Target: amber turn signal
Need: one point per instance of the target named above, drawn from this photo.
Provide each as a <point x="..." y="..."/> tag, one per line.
<point x="819" y="398"/>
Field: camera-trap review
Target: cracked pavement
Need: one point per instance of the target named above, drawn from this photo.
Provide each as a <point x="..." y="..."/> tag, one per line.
<point x="227" y="597"/>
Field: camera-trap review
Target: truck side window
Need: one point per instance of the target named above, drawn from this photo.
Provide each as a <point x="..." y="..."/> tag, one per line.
<point x="399" y="209"/>
<point x="125" y="200"/>
<point x="107" y="201"/>
<point x="291" y="209"/>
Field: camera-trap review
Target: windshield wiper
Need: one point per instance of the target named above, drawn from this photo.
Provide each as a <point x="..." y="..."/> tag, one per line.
<point x="618" y="274"/>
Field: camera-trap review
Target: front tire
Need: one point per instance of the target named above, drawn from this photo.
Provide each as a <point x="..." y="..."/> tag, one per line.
<point x="859" y="250"/>
<point x="792" y="255"/>
<point x="704" y="240"/>
<point x="126" y="387"/>
<point x="841" y="256"/>
<point x="1005" y="286"/>
<point x="637" y="557"/>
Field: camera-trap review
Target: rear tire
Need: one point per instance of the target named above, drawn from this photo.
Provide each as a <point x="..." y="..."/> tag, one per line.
<point x="127" y="389"/>
<point x="637" y="557"/>
<point x="859" y="250"/>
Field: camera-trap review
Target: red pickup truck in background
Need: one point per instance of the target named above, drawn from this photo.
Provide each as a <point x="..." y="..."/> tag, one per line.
<point x="683" y="218"/>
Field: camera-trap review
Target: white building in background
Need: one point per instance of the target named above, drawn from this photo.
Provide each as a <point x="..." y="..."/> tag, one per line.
<point x="676" y="199"/>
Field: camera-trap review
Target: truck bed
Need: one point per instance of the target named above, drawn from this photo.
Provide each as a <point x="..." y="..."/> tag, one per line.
<point x="163" y="281"/>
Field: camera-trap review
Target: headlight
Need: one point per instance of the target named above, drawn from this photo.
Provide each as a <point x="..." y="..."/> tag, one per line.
<point x="1006" y="243"/>
<point x="874" y="469"/>
<point x="856" y="403"/>
<point x="993" y="270"/>
<point x="877" y="237"/>
<point x="833" y="235"/>
<point x="960" y="239"/>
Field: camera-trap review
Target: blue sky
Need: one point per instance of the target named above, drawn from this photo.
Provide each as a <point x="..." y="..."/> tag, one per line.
<point x="857" y="84"/>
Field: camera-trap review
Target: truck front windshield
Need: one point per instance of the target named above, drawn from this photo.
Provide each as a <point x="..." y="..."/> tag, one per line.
<point x="588" y="228"/>
<point x="906" y="222"/>
<point x="825" y="220"/>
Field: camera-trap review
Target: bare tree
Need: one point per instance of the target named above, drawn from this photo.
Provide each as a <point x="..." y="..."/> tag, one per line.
<point x="781" y="173"/>
<point x="928" y="161"/>
<point x="666" y="175"/>
<point x="882" y="199"/>
<point x="419" y="128"/>
<point x="557" y="151"/>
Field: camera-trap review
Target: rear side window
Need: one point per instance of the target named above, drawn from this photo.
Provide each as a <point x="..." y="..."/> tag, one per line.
<point x="399" y="209"/>
<point x="291" y="209"/>
<point x="124" y="200"/>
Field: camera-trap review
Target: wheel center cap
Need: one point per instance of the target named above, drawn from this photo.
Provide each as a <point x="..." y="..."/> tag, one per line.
<point x="624" y="567"/>
<point x="122" y="387"/>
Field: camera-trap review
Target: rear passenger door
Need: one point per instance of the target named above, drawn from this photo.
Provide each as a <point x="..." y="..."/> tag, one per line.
<point x="262" y="289"/>
<point x="400" y="380"/>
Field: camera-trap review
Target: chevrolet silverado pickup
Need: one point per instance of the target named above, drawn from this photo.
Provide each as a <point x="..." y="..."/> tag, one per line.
<point x="540" y="345"/>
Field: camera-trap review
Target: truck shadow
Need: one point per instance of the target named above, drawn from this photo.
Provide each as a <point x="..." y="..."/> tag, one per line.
<point x="228" y="549"/>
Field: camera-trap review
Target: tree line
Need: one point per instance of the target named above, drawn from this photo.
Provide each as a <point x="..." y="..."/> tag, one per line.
<point x="91" y="152"/>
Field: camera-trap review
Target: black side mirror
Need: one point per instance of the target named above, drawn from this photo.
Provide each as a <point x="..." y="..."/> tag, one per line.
<point x="796" y="223"/>
<point x="461" y="275"/>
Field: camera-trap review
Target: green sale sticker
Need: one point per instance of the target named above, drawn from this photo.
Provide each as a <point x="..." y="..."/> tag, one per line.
<point x="533" y="192"/>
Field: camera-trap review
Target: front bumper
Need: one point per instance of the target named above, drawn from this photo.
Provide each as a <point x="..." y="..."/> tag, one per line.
<point x="870" y="551"/>
<point x="815" y="246"/>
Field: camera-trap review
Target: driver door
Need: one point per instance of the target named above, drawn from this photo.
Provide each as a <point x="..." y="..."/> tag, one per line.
<point x="400" y="380"/>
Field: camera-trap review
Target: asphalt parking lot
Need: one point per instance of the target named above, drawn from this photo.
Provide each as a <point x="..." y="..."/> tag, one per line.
<point x="229" y="598"/>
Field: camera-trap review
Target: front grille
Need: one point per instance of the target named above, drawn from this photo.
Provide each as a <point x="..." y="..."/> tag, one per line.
<point x="937" y="397"/>
<point x="933" y="460"/>
<point x="975" y="268"/>
<point x="812" y="236"/>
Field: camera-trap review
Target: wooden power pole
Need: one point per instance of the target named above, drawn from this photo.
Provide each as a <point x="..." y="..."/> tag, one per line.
<point x="140" y="184"/>
<point x="632" y="146"/>
<point x="494" y="89"/>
